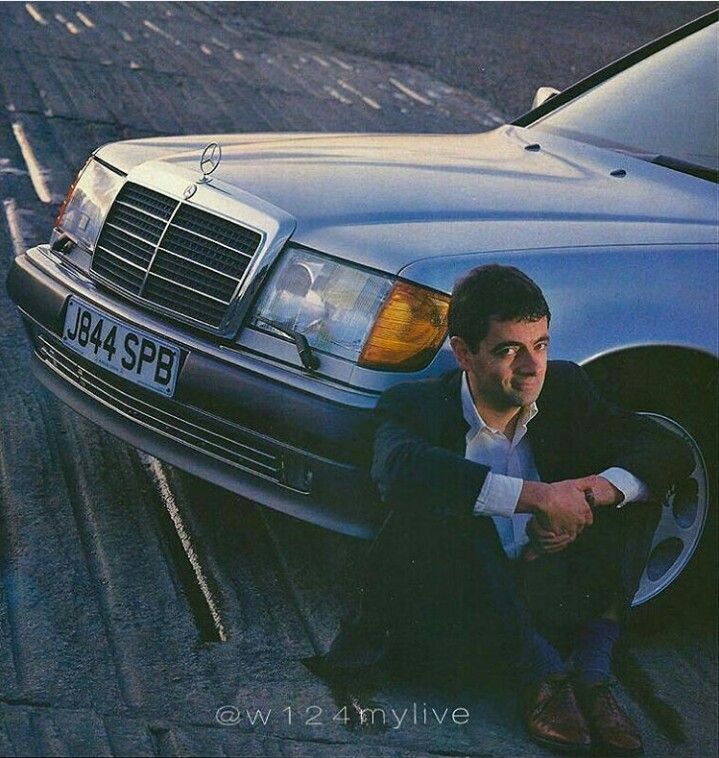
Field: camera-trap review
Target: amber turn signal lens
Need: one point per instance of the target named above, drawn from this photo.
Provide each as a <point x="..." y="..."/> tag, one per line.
<point x="408" y="331"/>
<point x="68" y="196"/>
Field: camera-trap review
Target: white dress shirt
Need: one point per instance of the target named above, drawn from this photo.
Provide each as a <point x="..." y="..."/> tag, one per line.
<point x="511" y="462"/>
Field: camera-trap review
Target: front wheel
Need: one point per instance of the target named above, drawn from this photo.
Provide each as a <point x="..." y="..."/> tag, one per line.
<point x="677" y="388"/>
<point x="681" y="525"/>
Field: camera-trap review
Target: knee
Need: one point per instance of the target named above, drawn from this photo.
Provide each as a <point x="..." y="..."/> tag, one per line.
<point x="483" y="533"/>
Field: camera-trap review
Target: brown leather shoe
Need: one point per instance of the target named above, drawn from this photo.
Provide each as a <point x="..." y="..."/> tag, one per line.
<point x="553" y="718"/>
<point x="613" y="732"/>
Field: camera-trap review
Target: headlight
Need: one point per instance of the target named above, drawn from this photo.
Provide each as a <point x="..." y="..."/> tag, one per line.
<point x="87" y="202"/>
<point x="352" y="313"/>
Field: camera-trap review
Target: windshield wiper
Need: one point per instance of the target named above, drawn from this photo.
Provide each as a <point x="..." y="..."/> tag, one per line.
<point x="309" y="360"/>
<point x="676" y="164"/>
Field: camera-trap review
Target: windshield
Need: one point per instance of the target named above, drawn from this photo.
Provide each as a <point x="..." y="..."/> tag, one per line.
<point x="667" y="104"/>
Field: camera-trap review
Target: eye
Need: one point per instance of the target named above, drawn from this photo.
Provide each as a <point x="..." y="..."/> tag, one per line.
<point x="505" y="352"/>
<point x="542" y="345"/>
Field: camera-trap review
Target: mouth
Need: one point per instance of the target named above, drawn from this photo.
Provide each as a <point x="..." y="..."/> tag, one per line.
<point x="523" y="385"/>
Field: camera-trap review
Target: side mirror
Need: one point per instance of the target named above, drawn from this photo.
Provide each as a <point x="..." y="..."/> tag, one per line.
<point x="542" y="95"/>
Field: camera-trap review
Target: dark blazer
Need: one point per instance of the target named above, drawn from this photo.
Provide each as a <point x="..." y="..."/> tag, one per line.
<point x="423" y="476"/>
<point x="420" y="442"/>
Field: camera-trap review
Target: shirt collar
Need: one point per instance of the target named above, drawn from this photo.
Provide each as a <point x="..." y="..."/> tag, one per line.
<point x="477" y="423"/>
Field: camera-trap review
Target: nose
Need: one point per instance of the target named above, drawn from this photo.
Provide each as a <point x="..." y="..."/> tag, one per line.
<point x="529" y="362"/>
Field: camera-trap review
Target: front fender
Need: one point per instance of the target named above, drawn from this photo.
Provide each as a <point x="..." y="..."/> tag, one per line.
<point x="608" y="299"/>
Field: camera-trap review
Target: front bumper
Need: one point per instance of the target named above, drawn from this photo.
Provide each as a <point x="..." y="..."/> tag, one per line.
<point x="292" y="442"/>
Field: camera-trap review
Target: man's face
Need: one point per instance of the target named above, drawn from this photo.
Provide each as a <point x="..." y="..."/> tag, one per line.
<point x="508" y="367"/>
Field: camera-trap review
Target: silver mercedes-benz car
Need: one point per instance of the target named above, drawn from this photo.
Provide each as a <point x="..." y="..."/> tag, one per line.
<point x="234" y="304"/>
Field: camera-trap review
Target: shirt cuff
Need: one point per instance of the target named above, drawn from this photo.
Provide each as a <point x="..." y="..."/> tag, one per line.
<point x="633" y="489"/>
<point x="499" y="495"/>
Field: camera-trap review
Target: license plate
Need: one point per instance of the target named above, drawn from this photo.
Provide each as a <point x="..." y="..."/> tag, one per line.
<point x="126" y="351"/>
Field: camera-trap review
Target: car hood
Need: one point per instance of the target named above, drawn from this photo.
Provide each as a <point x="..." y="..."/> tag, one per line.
<point x="388" y="200"/>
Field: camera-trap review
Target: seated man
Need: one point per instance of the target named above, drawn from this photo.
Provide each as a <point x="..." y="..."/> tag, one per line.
<point x="511" y="458"/>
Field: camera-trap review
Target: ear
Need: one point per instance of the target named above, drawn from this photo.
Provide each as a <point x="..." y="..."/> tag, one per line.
<point x="461" y="352"/>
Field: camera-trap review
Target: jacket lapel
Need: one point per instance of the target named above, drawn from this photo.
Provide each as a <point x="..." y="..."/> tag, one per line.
<point x="551" y="447"/>
<point x="541" y="449"/>
<point x="451" y="426"/>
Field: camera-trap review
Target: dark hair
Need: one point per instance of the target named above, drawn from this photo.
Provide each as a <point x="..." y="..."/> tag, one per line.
<point x="493" y="291"/>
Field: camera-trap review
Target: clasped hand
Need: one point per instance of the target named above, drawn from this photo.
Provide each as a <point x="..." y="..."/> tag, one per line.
<point x="564" y="511"/>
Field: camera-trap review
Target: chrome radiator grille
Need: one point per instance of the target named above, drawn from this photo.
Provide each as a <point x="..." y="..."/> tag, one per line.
<point x="173" y="255"/>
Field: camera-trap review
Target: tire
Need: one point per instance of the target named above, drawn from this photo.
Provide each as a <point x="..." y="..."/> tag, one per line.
<point x="681" y="573"/>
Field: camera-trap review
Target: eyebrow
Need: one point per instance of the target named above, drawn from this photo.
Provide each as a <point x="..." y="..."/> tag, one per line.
<point x="510" y="343"/>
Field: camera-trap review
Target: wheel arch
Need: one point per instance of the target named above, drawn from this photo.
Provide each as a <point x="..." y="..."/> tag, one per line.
<point x="637" y="374"/>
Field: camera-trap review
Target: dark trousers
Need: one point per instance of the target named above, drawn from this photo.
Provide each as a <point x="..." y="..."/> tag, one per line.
<point x="433" y="587"/>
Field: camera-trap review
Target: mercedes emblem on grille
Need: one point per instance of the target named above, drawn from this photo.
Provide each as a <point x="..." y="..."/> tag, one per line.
<point x="189" y="191"/>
